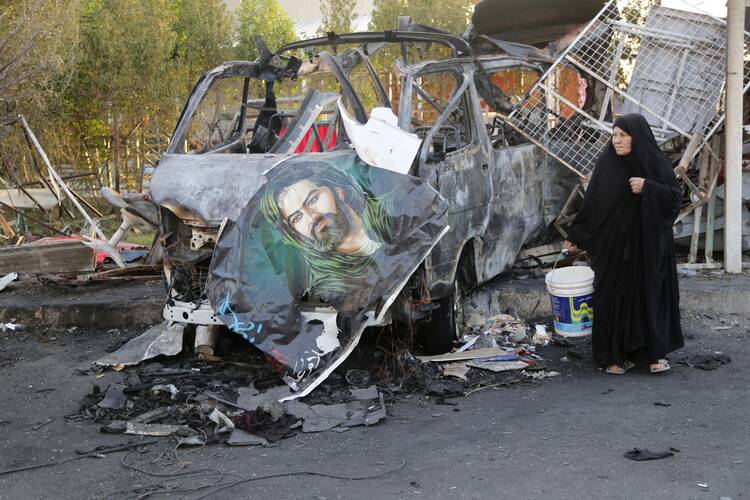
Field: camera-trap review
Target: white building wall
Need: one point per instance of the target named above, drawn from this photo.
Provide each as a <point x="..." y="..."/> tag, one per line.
<point x="308" y="19"/>
<point x="310" y="9"/>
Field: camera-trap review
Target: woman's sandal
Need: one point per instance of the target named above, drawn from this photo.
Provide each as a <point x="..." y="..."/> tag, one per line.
<point x="619" y="370"/>
<point x="661" y="365"/>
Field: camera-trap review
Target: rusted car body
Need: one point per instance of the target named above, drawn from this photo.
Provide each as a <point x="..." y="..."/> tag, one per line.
<point x="501" y="189"/>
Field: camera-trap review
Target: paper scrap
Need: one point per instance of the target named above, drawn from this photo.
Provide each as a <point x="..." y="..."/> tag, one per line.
<point x="457" y="370"/>
<point x="380" y="142"/>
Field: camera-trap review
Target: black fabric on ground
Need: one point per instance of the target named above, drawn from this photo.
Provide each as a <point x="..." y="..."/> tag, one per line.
<point x="640" y="455"/>
<point x="261" y="423"/>
<point x="707" y="361"/>
<point x="629" y="238"/>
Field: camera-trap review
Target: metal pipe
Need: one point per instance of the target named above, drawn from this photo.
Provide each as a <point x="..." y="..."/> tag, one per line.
<point x="56" y="178"/>
<point x="612" y="76"/>
<point x="676" y="88"/>
<point x="698" y="213"/>
<point x="714" y="167"/>
<point x="733" y="130"/>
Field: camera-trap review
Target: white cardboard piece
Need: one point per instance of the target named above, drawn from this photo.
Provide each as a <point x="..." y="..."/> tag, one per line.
<point x="379" y="142"/>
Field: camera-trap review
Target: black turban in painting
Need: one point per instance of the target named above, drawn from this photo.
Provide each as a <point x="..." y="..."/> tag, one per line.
<point x="629" y="237"/>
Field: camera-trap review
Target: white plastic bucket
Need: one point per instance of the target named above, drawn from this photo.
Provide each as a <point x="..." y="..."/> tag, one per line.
<point x="570" y="290"/>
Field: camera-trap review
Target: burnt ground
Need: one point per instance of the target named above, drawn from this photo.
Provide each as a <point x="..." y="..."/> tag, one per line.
<point x="561" y="437"/>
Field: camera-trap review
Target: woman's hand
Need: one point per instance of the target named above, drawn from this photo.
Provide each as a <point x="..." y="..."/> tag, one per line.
<point x="569" y="246"/>
<point x="636" y="184"/>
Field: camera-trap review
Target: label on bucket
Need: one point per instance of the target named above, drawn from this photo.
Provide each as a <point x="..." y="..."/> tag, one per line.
<point x="573" y="315"/>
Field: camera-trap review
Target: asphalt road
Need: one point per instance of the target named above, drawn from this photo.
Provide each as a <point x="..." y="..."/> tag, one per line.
<point x="562" y="438"/>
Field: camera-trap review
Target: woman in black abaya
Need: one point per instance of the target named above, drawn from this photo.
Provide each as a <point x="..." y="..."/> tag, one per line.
<point x="625" y="224"/>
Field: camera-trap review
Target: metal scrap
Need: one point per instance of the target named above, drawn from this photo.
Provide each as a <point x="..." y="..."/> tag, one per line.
<point x="158" y="429"/>
<point x="489" y="354"/>
<point x="163" y="339"/>
<point x="7" y="279"/>
<point x="318" y="418"/>
<point x="114" y="398"/>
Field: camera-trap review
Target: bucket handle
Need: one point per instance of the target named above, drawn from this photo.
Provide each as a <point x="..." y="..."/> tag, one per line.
<point x="565" y="252"/>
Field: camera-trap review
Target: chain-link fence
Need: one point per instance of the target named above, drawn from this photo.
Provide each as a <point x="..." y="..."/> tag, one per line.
<point x="676" y="81"/>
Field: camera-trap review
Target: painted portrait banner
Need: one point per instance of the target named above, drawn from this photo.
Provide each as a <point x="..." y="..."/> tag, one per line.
<point x="319" y="251"/>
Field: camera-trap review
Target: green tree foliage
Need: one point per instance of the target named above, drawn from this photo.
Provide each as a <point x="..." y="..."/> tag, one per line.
<point x="337" y="15"/>
<point x="204" y="33"/>
<point x="635" y="11"/>
<point x="37" y="45"/>
<point x="137" y="61"/>
<point x="451" y="15"/>
<point x="126" y="49"/>
<point x="102" y="82"/>
<point x="263" y="18"/>
<point x="126" y="53"/>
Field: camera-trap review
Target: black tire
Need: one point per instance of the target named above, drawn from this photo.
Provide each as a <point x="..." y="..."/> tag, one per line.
<point x="446" y="322"/>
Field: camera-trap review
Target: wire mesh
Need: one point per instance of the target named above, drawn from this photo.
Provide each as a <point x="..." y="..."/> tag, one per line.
<point x="670" y="68"/>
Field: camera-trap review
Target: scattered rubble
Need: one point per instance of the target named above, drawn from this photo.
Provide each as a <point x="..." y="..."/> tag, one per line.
<point x="457" y="370"/>
<point x="705" y="362"/>
<point x="162" y="389"/>
<point x="164" y="339"/>
<point x="7" y="279"/>
<point x="114" y="397"/>
<point x="13" y="327"/>
<point x="65" y="254"/>
<point x="639" y="454"/>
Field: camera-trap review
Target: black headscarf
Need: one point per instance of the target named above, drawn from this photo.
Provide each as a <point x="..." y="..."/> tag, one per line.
<point x="660" y="201"/>
<point x="609" y="187"/>
<point x="629" y="237"/>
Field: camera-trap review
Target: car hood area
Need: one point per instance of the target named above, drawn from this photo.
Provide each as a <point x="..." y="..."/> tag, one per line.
<point x="209" y="187"/>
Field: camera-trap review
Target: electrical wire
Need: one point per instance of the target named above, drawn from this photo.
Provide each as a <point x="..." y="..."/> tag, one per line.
<point x="303" y="473"/>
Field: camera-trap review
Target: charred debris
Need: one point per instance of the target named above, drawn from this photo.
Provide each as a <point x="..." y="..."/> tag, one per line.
<point x="468" y="153"/>
<point x="236" y="397"/>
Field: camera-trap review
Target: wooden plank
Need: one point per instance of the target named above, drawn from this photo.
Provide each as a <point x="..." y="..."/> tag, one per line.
<point x="146" y="270"/>
<point x="50" y="256"/>
<point x="157" y="429"/>
<point x="485" y="352"/>
<point x="6" y="229"/>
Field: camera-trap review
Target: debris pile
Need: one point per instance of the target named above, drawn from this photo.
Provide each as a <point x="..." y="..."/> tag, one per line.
<point x="229" y="401"/>
<point x="501" y="343"/>
<point x="77" y="250"/>
<point x="706" y="362"/>
<point x="238" y="398"/>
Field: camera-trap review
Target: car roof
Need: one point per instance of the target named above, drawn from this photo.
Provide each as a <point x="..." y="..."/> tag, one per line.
<point x="460" y="46"/>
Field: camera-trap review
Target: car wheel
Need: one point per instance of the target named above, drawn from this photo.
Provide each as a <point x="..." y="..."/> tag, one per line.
<point x="446" y="322"/>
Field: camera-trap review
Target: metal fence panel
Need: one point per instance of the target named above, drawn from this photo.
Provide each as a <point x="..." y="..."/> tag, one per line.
<point x="676" y="82"/>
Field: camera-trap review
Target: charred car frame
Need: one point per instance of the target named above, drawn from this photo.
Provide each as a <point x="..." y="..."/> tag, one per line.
<point x="244" y="117"/>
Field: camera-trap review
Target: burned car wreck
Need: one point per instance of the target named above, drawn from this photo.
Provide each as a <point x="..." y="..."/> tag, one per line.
<point x="407" y="122"/>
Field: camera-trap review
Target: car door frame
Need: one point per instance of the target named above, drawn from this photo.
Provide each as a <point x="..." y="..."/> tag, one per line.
<point x="468" y="162"/>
